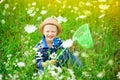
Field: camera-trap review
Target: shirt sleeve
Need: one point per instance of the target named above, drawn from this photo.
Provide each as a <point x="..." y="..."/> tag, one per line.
<point x="38" y="46"/>
<point x="39" y="60"/>
<point x="60" y="44"/>
<point x="39" y="57"/>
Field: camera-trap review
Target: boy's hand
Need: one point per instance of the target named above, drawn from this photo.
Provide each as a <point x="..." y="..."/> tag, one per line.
<point x="52" y="62"/>
<point x="44" y="64"/>
<point x="49" y="62"/>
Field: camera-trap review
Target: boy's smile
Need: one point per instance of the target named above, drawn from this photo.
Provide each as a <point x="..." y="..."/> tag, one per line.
<point x="50" y="32"/>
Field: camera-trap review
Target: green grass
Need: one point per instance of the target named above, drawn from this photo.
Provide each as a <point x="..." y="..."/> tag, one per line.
<point x="19" y="44"/>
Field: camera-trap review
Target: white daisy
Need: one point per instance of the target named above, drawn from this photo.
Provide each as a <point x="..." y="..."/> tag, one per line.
<point x="1" y="76"/>
<point x="43" y="12"/>
<point x="30" y="28"/>
<point x="21" y="64"/>
<point x="118" y="75"/>
<point x="53" y="55"/>
<point x="61" y="19"/>
<point x="1" y="1"/>
<point x="68" y="43"/>
<point x="104" y="7"/>
<point x="6" y="6"/>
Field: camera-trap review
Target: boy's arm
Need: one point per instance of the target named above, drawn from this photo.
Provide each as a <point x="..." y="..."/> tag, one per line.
<point x="60" y="42"/>
<point x="40" y="63"/>
<point x="39" y="57"/>
<point x="39" y="60"/>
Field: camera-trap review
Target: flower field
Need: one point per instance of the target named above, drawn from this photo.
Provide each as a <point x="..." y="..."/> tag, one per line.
<point x="19" y="33"/>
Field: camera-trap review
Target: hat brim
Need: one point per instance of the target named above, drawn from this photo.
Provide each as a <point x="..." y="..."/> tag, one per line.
<point x="50" y="21"/>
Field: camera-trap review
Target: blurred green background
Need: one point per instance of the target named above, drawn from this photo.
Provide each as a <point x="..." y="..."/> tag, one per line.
<point x="16" y="45"/>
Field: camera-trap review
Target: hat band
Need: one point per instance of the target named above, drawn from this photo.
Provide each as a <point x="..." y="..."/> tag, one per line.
<point x="51" y="24"/>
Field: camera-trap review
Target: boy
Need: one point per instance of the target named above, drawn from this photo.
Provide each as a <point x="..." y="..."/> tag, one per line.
<point x="49" y="45"/>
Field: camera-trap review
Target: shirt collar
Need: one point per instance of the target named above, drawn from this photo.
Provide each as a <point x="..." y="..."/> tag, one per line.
<point x="55" y="42"/>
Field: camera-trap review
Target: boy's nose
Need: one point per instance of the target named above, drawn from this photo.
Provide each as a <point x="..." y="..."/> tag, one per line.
<point x="50" y="33"/>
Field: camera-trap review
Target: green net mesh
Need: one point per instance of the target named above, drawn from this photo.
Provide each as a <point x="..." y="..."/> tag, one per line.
<point x="83" y="36"/>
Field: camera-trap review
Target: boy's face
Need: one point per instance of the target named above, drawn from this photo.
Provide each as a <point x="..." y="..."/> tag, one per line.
<point x="50" y="31"/>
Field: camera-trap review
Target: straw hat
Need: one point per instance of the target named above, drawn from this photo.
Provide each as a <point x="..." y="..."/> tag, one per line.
<point x="50" y="21"/>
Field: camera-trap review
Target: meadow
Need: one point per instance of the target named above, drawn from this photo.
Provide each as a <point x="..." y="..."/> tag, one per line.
<point x="19" y="33"/>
